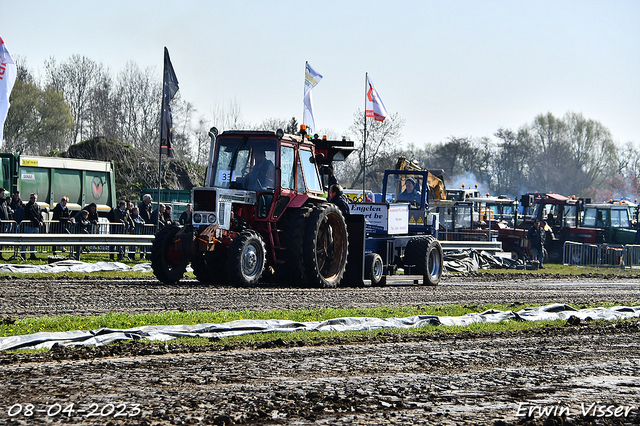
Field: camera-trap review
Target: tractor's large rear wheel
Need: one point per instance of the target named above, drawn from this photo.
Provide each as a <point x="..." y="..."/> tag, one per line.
<point x="211" y="266"/>
<point x="291" y="272"/>
<point x="425" y="254"/>
<point x="246" y="259"/>
<point x="325" y="246"/>
<point x="168" y="263"/>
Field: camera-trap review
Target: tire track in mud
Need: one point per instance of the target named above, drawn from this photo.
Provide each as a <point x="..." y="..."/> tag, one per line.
<point x="474" y="378"/>
<point x="21" y="298"/>
<point x="479" y="379"/>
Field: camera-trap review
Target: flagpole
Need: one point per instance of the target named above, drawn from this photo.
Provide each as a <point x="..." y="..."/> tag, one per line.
<point x="160" y="157"/>
<point x="157" y="224"/>
<point x="364" y="139"/>
<point x="306" y="63"/>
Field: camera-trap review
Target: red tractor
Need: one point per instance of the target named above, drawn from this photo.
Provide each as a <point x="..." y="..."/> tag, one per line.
<point x="563" y="218"/>
<point x="261" y="212"/>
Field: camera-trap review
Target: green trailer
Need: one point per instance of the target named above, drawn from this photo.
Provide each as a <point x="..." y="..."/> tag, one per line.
<point x="83" y="181"/>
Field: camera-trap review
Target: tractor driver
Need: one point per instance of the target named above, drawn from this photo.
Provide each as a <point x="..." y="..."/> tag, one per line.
<point x="410" y="194"/>
<point x="263" y="174"/>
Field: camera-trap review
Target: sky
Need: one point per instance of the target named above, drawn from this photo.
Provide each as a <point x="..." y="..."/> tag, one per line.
<point x="448" y="68"/>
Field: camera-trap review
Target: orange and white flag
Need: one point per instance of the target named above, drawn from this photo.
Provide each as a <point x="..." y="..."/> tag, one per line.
<point x="374" y="107"/>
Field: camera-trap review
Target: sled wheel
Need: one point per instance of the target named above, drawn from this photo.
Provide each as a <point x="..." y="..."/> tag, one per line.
<point x="168" y="263"/>
<point x="373" y="268"/>
<point x="325" y="246"/>
<point x="246" y="259"/>
<point x="425" y="253"/>
<point x="517" y="253"/>
<point x="211" y="266"/>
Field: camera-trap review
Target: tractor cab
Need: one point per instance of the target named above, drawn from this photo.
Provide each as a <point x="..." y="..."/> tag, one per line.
<point x="412" y="187"/>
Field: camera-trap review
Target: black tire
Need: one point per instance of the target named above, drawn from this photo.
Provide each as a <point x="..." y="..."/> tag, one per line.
<point x="168" y="264"/>
<point x="424" y="253"/>
<point x="325" y="246"/>
<point x="373" y="268"/>
<point x="519" y="254"/>
<point x="291" y="271"/>
<point x="246" y="259"/>
<point x="211" y="266"/>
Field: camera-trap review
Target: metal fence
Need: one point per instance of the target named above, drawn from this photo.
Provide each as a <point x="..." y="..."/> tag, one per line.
<point x="24" y="241"/>
<point x="475" y="235"/>
<point x="600" y="254"/>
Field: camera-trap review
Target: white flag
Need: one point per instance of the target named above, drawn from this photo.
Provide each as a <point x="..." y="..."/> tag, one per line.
<point x="311" y="78"/>
<point x="8" y="73"/>
<point x="373" y="104"/>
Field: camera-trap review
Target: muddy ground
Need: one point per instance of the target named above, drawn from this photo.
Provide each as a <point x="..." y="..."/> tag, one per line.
<point x="585" y="373"/>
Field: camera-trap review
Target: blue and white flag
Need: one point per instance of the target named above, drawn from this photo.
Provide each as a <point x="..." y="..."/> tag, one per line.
<point x="311" y="79"/>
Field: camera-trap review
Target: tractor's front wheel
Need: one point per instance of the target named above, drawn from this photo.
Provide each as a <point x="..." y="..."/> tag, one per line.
<point x="211" y="266"/>
<point x="325" y="247"/>
<point x="246" y="259"/>
<point x="168" y="263"/>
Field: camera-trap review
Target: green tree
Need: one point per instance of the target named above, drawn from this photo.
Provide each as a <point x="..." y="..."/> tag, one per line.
<point x="38" y="120"/>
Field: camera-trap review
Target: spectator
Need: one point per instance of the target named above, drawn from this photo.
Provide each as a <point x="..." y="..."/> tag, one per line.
<point x="410" y="194"/>
<point x="137" y="219"/>
<point x="158" y="218"/>
<point x="4" y="216"/>
<point x="138" y="228"/>
<point x="168" y="217"/>
<point x="16" y="202"/>
<point x="83" y="225"/>
<point x="185" y="217"/>
<point x="17" y="209"/>
<point x="337" y="197"/>
<point x="125" y="226"/>
<point x="92" y="217"/>
<point x="535" y="236"/>
<point x="145" y="208"/>
<point x="35" y="221"/>
<point x="62" y="215"/>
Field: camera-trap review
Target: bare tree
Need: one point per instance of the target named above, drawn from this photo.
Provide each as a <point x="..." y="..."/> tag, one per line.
<point x="102" y="113"/>
<point x="227" y="116"/>
<point x="592" y="147"/>
<point x="382" y="137"/>
<point x="139" y="96"/>
<point x="75" y="79"/>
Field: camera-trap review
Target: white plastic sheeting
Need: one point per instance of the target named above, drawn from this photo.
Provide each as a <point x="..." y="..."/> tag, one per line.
<point x="105" y="336"/>
<point x="73" y="266"/>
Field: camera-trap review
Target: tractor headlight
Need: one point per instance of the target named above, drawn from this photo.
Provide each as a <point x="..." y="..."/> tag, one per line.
<point x="212" y="218"/>
<point x="197" y="218"/>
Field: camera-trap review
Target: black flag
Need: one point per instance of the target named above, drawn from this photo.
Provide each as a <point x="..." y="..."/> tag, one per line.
<point x="169" y="89"/>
